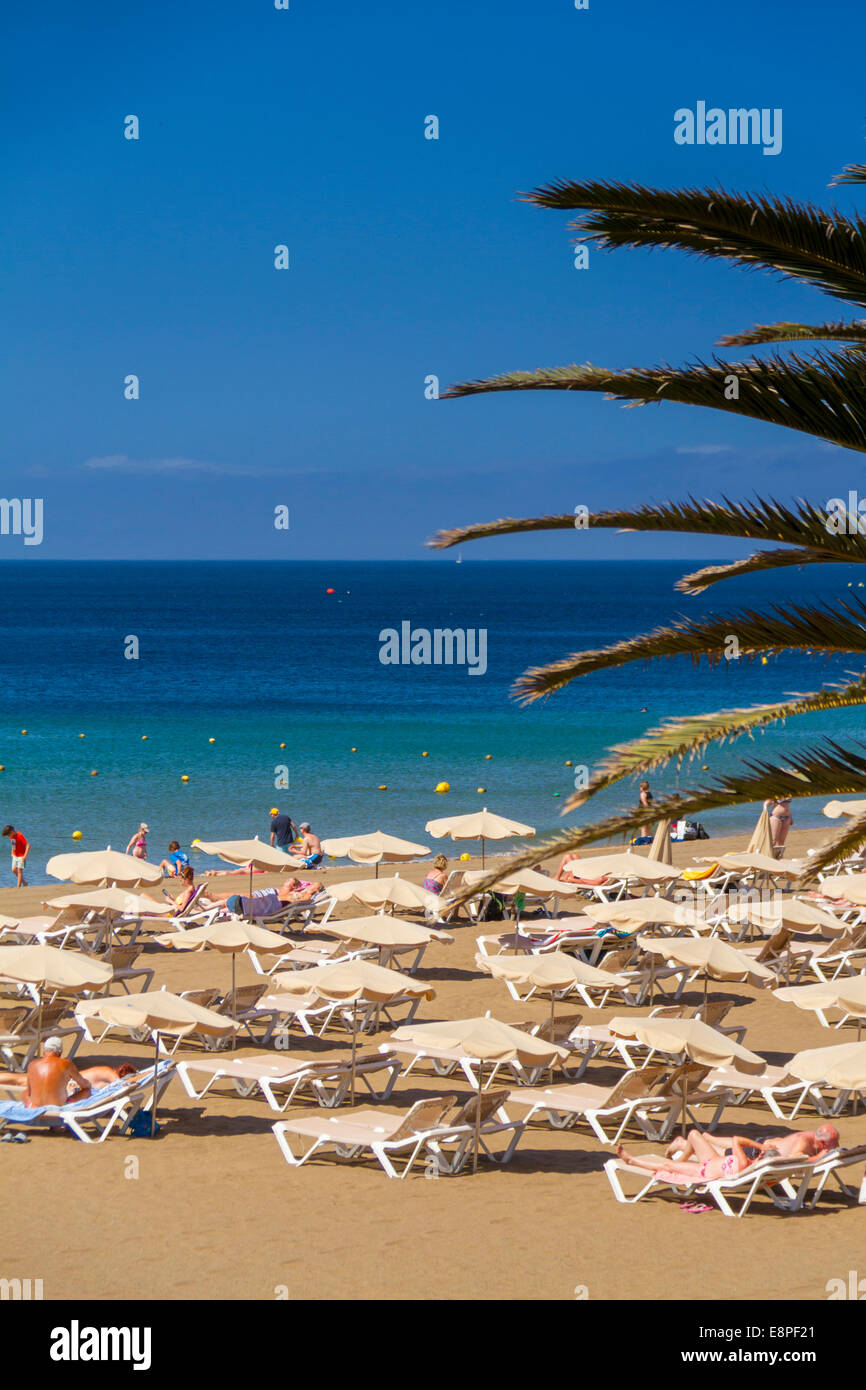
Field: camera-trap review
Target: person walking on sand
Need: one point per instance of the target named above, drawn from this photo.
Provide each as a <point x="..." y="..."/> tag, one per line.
<point x="20" y="851"/>
<point x="137" y="846"/>
<point x="781" y="820"/>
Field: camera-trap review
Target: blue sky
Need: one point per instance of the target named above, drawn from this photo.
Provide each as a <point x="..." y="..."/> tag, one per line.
<point x="408" y="257"/>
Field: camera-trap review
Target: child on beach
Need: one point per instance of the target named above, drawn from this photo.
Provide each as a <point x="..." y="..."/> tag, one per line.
<point x="20" y="851"/>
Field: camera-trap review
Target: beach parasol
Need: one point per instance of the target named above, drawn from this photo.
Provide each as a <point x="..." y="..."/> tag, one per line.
<point x="385" y="932"/>
<point x="160" y="1012"/>
<point x="384" y="892"/>
<point x="113" y="900"/>
<point x="835" y="809"/>
<point x="477" y="825"/>
<point x="375" y="848"/>
<point x="548" y="974"/>
<point x="688" y="1039"/>
<point x="102" y="868"/>
<point x="251" y="854"/>
<point x="630" y="914"/>
<point x="712" y="957"/>
<point x="625" y="864"/>
<point x="762" y="836"/>
<point x="229" y="937"/>
<point x="848" y="995"/>
<point x="851" y="887"/>
<point x="353" y="982"/>
<point x="660" y="849"/>
<point x="49" y="968"/>
<point x="791" y="913"/>
<point x="482" y="1040"/>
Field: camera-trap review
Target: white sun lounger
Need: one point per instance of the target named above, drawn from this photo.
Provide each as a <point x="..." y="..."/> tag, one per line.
<point x="387" y="1137"/>
<point x="629" y="1101"/>
<point x="765" y="1178"/>
<point x="103" y="1108"/>
<point x="328" y="1081"/>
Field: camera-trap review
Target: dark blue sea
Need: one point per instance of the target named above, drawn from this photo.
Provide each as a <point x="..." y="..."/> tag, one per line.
<point x="253" y="656"/>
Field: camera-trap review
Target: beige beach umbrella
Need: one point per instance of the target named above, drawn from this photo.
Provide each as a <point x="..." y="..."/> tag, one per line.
<point x="115" y="900"/>
<point x="384" y="893"/>
<point x="477" y="825"/>
<point x="851" y="887"/>
<point x="660" y="849"/>
<point x="384" y="932"/>
<point x="843" y="1066"/>
<point x="484" y="1040"/>
<point x="548" y="974"/>
<point x="353" y="982"/>
<point x="847" y="994"/>
<point x="688" y="1038"/>
<point x="160" y="1012"/>
<point x="527" y="881"/>
<point x="47" y="968"/>
<point x="102" y="868"/>
<point x="758" y="863"/>
<point x="231" y="938"/>
<point x="249" y="854"/>
<point x="630" y="914"/>
<point x="625" y="864"/>
<point x="835" y="809"/>
<point x="712" y="957"/>
<point x="791" y="913"/>
<point x="762" y="836"/>
<point x="375" y="848"/>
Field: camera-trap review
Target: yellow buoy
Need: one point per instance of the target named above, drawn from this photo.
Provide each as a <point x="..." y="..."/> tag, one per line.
<point x="480" y="790"/>
<point x="382" y="787"/>
<point x="282" y="745"/>
<point x="764" y="660"/>
<point x="24" y="731"/>
<point x="2" y="767"/>
<point x="183" y="777"/>
<point x="144" y="738"/>
<point x="195" y="842"/>
<point x="211" y="740"/>
<point x="353" y="750"/>
<point x="94" y="773"/>
<point x="442" y="787"/>
<point x="488" y="756"/>
<point x="464" y="857"/>
<point x="569" y="763"/>
<point x="76" y="834"/>
<point x="425" y="755"/>
<point x="81" y="735"/>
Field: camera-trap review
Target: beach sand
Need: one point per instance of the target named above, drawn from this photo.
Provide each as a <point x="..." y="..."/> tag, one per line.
<point x="211" y="1210"/>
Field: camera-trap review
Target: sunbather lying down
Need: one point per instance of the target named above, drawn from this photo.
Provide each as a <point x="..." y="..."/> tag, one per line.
<point x="267" y="901"/>
<point x="700" y="1157"/>
<point x="53" y="1080"/>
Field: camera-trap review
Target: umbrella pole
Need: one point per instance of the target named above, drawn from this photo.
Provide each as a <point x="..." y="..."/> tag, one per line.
<point x="482" y="851"/>
<point x="234" y="1004"/>
<point x="155" y="1073"/>
<point x="251" y="893"/>
<point x="685" y="1097"/>
<point x="478" y="1117"/>
<point x="354" y="1044"/>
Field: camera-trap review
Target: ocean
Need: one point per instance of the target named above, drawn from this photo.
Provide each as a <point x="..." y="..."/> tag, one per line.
<point x="236" y="659"/>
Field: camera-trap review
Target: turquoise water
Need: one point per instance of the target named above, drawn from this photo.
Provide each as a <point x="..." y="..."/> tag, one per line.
<point x="255" y="655"/>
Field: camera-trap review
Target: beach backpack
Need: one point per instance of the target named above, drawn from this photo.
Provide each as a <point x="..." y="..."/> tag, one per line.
<point x="493" y="909"/>
<point x="139" y="1125"/>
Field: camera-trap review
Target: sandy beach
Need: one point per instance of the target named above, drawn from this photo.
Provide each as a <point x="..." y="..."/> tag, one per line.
<point x="214" y="1212"/>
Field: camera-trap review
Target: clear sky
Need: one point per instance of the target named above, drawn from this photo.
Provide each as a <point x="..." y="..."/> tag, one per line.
<point x="408" y="257"/>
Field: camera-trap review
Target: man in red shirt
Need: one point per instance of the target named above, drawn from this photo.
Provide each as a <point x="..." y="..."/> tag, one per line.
<point x="20" y="851"/>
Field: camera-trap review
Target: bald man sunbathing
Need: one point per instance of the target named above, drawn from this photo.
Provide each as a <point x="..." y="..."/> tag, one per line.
<point x="799" y="1143"/>
<point x="49" y="1079"/>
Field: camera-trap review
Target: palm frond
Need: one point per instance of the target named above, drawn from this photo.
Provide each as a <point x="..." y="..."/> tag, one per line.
<point x="796" y="240"/>
<point x="761" y="560"/>
<point x="795" y="332"/>
<point x="826" y="630"/>
<point x="822" y="395"/>
<point x="803" y="525"/>
<point x="847" y="841"/>
<point x="826" y="770"/>
<point x="688" y="736"/>
<point x="852" y="173"/>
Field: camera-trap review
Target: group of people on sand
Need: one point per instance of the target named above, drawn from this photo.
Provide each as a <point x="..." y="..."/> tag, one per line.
<point x="698" y="1157"/>
<point x="53" y="1079"/>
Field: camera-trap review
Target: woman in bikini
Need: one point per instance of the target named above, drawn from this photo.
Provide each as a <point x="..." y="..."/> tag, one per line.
<point x="435" y="880"/>
<point x="137" y="846"/>
<point x="708" y="1164"/>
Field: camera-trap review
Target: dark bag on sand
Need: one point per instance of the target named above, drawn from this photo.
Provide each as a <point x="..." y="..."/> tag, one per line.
<point x="492" y="910"/>
<point x="140" y="1125"/>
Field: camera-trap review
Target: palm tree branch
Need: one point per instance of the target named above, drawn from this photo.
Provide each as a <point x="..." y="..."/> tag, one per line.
<point x="803" y="525"/>
<point x="825" y="629"/>
<point x="796" y="240"/>
<point x="795" y="332"/>
<point x="760" y="560"/>
<point x="852" y="173"/>
<point x="822" y="395"/>
<point x="847" y="841"/>
<point x="687" y="736"/>
<point x="827" y="770"/>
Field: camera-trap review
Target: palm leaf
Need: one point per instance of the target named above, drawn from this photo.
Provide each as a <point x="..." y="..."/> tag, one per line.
<point x="761" y="560"/>
<point x="827" y="770"/>
<point x="687" y="736"/>
<point x="803" y="525"/>
<point x="795" y="240"/>
<point x="822" y="395"/>
<point x="847" y="841"/>
<point x="795" y="332"/>
<point x="828" y="630"/>
<point x="852" y="173"/>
